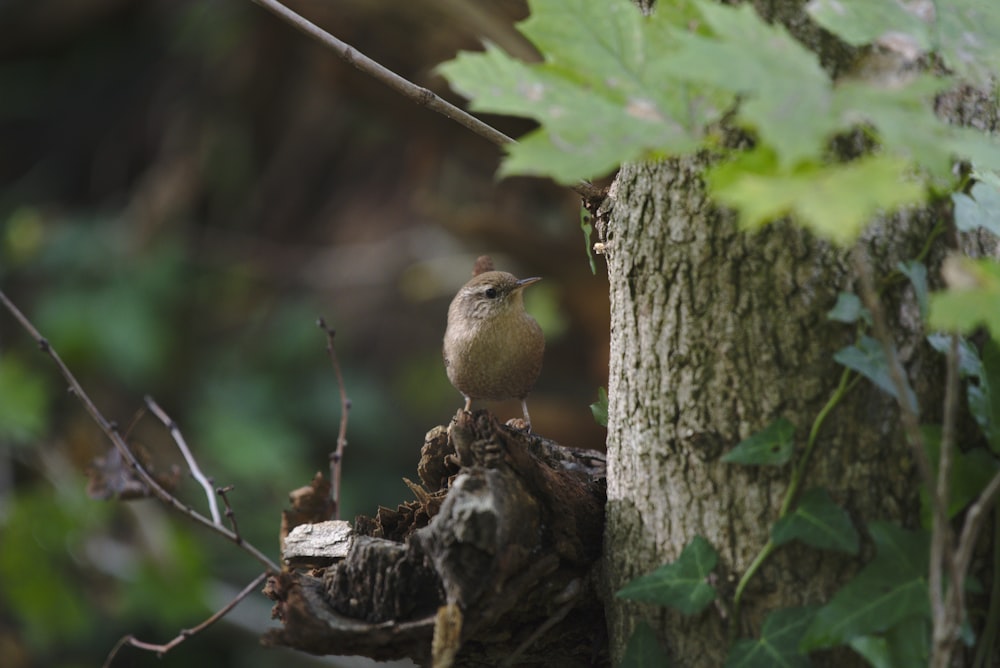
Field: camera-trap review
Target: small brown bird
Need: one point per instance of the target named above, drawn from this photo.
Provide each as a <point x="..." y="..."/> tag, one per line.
<point x="492" y="348"/>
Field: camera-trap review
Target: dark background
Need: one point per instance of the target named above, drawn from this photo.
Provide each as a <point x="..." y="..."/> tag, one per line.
<point x="184" y="188"/>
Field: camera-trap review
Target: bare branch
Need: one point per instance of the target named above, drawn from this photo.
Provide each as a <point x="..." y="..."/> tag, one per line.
<point x="942" y="607"/>
<point x="911" y="422"/>
<point x="337" y="456"/>
<point x="417" y="94"/>
<point x="974" y="518"/>
<point x="213" y="505"/>
<point x="185" y="633"/>
<point x="111" y="431"/>
<point x="223" y="491"/>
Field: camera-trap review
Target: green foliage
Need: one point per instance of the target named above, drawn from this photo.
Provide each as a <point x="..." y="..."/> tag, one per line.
<point x="643" y="650"/>
<point x="867" y="358"/>
<point x="835" y="201"/>
<point x="971" y="471"/>
<point x="849" y="309"/>
<point x="680" y="584"/>
<point x="973" y="296"/>
<point x="602" y="95"/>
<point x="905" y="644"/>
<point x="917" y="273"/>
<point x="980" y="208"/>
<point x="962" y="32"/>
<point x="819" y="522"/>
<point x="42" y="532"/>
<point x="600" y="407"/>
<point x="973" y="299"/>
<point x="778" y="645"/>
<point x="618" y="86"/>
<point x="770" y="446"/>
<point x="892" y="588"/>
<point x="989" y="383"/>
<point x="24" y="402"/>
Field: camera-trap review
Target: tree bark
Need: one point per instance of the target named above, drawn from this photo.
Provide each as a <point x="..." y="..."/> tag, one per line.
<point x="715" y="334"/>
<point x="491" y="563"/>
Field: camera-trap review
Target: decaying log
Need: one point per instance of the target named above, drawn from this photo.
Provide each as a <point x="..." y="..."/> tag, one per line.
<point x="492" y="563"/>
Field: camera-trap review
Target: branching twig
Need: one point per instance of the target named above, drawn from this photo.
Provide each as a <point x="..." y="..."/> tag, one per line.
<point x="185" y="633"/>
<point x="908" y="415"/>
<point x="337" y="456"/>
<point x="222" y="491"/>
<point x="417" y="94"/>
<point x="947" y="598"/>
<point x="111" y="431"/>
<point x="213" y="505"/>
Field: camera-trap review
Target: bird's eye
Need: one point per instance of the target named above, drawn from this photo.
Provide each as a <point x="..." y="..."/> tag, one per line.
<point x="491" y="293"/>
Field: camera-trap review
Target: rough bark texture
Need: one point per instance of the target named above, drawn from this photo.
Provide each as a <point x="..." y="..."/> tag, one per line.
<point x="497" y="560"/>
<point x="716" y="333"/>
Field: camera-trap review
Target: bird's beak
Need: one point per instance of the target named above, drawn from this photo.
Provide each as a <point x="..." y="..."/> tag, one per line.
<point x="525" y="282"/>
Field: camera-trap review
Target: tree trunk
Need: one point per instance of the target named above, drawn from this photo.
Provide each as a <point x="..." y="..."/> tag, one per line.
<point x="716" y="333"/>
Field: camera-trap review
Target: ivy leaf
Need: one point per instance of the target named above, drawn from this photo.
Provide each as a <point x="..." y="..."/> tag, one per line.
<point x="917" y="273"/>
<point x="969" y="365"/>
<point x="890" y="589"/>
<point x="980" y="208"/>
<point x="905" y="644"/>
<point x="972" y="299"/>
<point x="963" y="32"/>
<point x="990" y="385"/>
<point x="848" y="309"/>
<point x="971" y="471"/>
<point x="600" y="407"/>
<point x="680" y="584"/>
<point x="874" y="649"/>
<point x="778" y="645"/>
<point x="784" y="90"/>
<point x="771" y="446"/>
<point x="602" y="96"/>
<point x="835" y="201"/>
<point x="25" y="405"/>
<point x="909" y="642"/>
<point x="643" y="649"/>
<point x="868" y="359"/>
<point x="819" y="522"/>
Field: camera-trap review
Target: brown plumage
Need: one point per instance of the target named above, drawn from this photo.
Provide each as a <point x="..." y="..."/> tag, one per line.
<point x="492" y="348"/>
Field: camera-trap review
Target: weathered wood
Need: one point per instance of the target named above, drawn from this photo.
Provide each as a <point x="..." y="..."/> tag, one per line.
<point x="498" y="549"/>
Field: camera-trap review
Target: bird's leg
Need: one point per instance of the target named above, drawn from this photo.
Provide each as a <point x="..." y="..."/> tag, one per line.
<point x="468" y="403"/>
<point x="527" y="418"/>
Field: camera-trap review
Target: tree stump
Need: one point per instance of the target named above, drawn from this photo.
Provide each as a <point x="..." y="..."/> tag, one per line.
<point x="492" y="563"/>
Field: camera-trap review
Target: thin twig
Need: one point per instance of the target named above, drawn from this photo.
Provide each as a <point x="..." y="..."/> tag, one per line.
<point x="908" y="415"/>
<point x="417" y="94"/>
<point x="223" y="491"/>
<point x="196" y="473"/>
<point x="973" y="523"/>
<point x="947" y="604"/>
<point x="337" y="456"/>
<point x="111" y="431"/>
<point x="185" y="633"/>
<point x="942" y="547"/>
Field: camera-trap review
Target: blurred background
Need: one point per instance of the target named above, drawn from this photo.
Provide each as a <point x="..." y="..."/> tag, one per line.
<point x="185" y="186"/>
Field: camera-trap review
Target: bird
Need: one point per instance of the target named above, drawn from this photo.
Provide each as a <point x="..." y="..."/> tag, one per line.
<point x="493" y="348"/>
